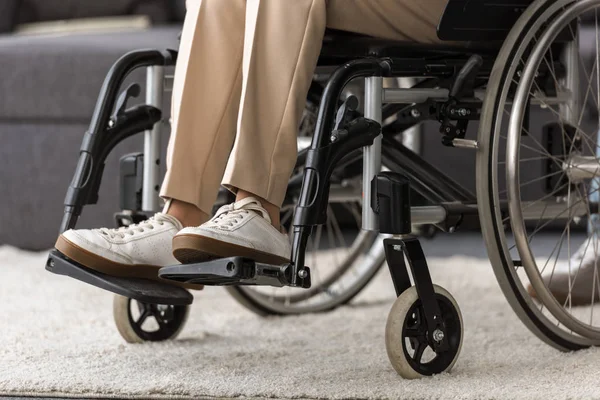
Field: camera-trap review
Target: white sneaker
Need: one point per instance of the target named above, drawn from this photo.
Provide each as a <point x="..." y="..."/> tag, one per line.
<point x="138" y="250"/>
<point x="241" y="229"/>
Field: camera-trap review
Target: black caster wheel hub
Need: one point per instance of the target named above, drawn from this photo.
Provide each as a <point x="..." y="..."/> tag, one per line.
<point x="418" y="350"/>
<point x="168" y="317"/>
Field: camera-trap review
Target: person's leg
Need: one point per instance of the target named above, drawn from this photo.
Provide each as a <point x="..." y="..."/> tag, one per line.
<point x="205" y="102"/>
<point x="275" y="88"/>
<point x="283" y="42"/>
<point x="206" y="93"/>
<point x="286" y="40"/>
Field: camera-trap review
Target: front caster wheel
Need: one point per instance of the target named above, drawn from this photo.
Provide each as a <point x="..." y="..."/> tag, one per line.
<point x="406" y="335"/>
<point x="140" y="322"/>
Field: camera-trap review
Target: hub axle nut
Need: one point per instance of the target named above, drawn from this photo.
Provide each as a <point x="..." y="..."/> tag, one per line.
<point x="438" y="335"/>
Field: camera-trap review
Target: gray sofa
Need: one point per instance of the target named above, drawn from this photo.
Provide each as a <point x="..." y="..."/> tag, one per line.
<point x="49" y="85"/>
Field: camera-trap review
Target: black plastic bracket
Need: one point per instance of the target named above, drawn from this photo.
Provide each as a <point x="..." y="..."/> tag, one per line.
<point x="462" y="87"/>
<point x="234" y="271"/>
<point x="390" y="200"/>
<point x="395" y="252"/>
<point x="144" y="290"/>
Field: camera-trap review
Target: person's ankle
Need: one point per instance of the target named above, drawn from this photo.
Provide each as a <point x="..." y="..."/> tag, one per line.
<point x="272" y="209"/>
<point x="186" y="213"/>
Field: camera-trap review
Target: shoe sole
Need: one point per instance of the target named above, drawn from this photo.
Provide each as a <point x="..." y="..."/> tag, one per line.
<point x="189" y="249"/>
<point x="109" y="267"/>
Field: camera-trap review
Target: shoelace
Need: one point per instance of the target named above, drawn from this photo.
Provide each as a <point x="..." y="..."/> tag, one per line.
<point x="231" y="214"/>
<point x="150" y="223"/>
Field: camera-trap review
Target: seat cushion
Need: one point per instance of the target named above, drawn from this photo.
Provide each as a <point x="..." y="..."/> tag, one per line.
<point x="342" y="46"/>
<point x="58" y="78"/>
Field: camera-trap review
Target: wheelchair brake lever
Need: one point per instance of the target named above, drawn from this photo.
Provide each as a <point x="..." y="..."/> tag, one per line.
<point x="132" y="91"/>
<point x="463" y="85"/>
<point x="343" y="113"/>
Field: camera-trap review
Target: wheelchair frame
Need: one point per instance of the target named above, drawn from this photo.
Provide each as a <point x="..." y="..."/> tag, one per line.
<point x="454" y="101"/>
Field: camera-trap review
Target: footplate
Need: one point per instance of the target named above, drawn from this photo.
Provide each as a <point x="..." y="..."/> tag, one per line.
<point x="144" y="290"/>
<point x="233" y="271"/>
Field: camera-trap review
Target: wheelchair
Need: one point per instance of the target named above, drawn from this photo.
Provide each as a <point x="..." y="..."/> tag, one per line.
<point x="499" y="63"/>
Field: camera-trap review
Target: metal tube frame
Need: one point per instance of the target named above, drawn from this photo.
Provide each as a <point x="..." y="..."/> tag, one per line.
<point x="371" y="154"/>
<point x="155" y="87"/>
<point x="311" y="204"/>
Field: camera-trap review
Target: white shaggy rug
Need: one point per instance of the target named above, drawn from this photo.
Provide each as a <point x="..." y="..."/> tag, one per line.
<point x="57" y="338"/>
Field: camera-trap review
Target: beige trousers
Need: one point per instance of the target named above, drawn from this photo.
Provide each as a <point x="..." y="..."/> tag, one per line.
<point x="241" y="81"/>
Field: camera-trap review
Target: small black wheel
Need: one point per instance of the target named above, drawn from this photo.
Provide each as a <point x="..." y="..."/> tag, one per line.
<point x="139" y="322"/>
<point x="406" y="335"/>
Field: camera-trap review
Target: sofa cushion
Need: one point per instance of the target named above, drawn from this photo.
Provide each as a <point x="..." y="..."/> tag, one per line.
<point x="8" y="12"/>
<point x="179" y="9"/>
<point x="52" y="10"/>
<point x="38" y="161"/>
<point x="59" y="77"/>
<point x="159" y="11"/>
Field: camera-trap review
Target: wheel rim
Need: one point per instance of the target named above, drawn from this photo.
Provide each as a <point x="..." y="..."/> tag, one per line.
<point x="155" y="322"/>
<point x="571" y="177"/>
<point x="491" y="166"/>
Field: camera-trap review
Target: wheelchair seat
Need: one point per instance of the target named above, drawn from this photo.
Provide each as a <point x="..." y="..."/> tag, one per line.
<point x="341" y="46"/>
<point x="466" y="26"/>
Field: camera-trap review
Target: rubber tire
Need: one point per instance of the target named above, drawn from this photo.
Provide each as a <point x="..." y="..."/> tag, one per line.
<point x="121" y="317"/>
<point x="492" y="230"/>
<point x="394" y="342"/>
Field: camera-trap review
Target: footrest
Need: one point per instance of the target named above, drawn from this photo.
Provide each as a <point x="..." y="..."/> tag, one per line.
<point x="144" y="290"/>
<point x="228" y="271"/>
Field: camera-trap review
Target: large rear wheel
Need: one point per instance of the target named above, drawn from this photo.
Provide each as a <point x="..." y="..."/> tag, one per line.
<point x="531" y="195"/>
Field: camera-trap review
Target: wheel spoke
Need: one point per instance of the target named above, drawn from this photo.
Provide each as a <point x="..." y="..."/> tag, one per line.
<point x="554" y="219"/>
<point x="534" y="180"/>
<point x="419" y="349"/>
<point x="577" y="137"/>
<point x="159" y="318"/>
<point x="331" y="236"/>
<point x="414" y="332"/>
<point x="555" y="261"/>
<point x="556" y="246"/>
<point x="143" y="316"/>
<point x="571" y="283"/>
